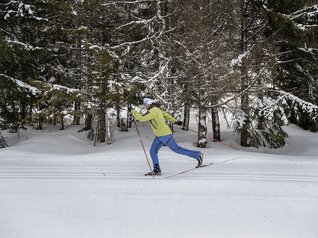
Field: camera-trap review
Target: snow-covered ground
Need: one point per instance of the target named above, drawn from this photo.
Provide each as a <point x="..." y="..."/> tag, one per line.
<point x="56" y="184"/>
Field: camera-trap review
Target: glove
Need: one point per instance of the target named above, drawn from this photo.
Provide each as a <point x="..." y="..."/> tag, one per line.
<point x="134" y="113"/>
<point x="179" y="123"/>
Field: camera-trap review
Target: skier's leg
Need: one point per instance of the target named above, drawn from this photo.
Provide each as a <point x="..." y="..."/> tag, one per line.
<point x="156" y="145"/>
<point x="171" y="143"/>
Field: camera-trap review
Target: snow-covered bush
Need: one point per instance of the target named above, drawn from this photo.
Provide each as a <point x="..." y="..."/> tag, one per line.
<point x="298" y="111"/>
<point x="268" y="115"/>
<point x="3" y="142"/>
<point x="264" y="125"/>
<point x="15" y="98"/>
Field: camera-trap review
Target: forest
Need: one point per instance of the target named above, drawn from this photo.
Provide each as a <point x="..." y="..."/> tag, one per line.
<point x="86" y="61"/>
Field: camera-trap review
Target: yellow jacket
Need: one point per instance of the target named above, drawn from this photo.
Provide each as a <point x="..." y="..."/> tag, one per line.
<point x="156" y="117"/>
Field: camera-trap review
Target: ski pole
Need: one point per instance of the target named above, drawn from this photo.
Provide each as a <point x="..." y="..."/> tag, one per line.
<point x="142" y="144"/>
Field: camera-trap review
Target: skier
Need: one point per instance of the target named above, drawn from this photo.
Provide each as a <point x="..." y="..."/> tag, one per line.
<point x="163" y="134"/>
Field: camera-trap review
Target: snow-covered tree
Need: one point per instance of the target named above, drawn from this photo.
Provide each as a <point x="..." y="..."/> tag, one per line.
<point x="88" y="59"/>
<point x="295" y="26"/>
<point x="255" y="66"/>
<point x="33" y="36"/>
<point x="201" y="58"/>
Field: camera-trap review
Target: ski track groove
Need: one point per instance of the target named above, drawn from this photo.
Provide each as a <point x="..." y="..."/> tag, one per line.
<point x="192" y="175"/>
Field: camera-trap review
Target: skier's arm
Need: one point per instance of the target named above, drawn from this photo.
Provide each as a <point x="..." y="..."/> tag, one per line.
<point x="144" y="118"/>
<point x="169" y="117"/>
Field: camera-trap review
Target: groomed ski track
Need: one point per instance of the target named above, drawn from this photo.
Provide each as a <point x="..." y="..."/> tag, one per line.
<point x="212" y="172"/>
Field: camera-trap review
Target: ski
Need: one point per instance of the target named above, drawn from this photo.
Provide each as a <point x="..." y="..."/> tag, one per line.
<point x="150" y="174"/>
<point x="188" y="170"/>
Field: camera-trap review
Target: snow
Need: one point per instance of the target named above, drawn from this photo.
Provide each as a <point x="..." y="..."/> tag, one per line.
<point x="23" y="10"/>
<point x="239" y="60"/>
<point x="60" y="87"/>
<point x="56" y="184"/>
<point x="21" y="84"/>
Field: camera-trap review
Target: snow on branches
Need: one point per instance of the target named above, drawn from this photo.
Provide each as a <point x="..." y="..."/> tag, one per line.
<point x="21" y="84"/>
<point x="268" y="115"/>
<point x="20" y="9"/>
<point x="287" y="99"/>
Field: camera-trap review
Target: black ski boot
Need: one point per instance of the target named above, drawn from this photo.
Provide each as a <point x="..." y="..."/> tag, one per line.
<point x="156" y="171"/>
<point x="200" y="160"/>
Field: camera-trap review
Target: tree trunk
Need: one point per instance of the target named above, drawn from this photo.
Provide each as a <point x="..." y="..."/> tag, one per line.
<point x="244" y="80"/>
<point x="215" y="124"/>
<point x="101" y="133"/>
<point x="202" y="128"/>
<point x="88" y="121"/>
<point x="37" y="119"/>
<point x="314" y="125"/>
<point x="186" y="116"/>
<point x="77" y="108"/>
<point x="23" y="111"/>
<point x="244" y="107"/>
<point x="61" y="121"/>
<point x="110" y="132"/>
<point x="30" y="114"/>
<point x="129" y="117"/>
<point x="118" y="115"/>
<point x="40" y="122"/>
<point x="54" y="119"/>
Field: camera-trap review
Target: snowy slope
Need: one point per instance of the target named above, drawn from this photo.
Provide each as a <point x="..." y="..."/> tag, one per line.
<point x="59" y="185"/>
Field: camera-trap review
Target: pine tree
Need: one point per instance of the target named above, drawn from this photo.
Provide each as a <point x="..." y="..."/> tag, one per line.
<point x="294" y="24"/>
<point x="16" y="56"/>
<point x="32" y="34"/>
<point x="255" y="65"/>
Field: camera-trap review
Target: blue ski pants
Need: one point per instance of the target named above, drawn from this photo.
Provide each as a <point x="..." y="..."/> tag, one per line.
<point x="171" y="143"/>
